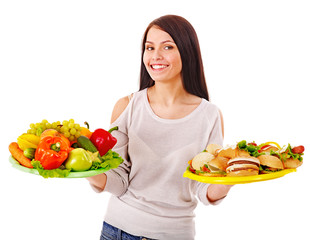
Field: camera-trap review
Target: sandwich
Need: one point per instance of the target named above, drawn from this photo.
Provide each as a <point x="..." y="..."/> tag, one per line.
<point x="270" y="164"/>
<point x="205" y="164"/>
<point x="269" y="159"/>
<point x="243" y="166"/>
<point x="292" y="156"/>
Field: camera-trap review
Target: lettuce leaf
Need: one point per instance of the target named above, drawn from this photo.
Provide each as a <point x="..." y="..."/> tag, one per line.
<point x="58" y="173"/>
<point x="108" y="161"/>
<point x="250" y="148"/>
<point x="289" y="154"/>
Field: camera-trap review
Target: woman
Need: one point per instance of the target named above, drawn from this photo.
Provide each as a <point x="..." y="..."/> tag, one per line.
<point x="161" y="127"/>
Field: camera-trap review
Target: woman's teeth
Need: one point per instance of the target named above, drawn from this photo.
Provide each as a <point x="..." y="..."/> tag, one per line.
<point x="158" y="66"/>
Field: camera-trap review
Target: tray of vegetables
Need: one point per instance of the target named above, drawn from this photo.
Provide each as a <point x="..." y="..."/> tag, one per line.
<point x="64" y="150"/>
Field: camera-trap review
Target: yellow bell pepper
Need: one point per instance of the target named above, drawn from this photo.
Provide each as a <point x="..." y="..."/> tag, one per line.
<point x="28" y="140"/>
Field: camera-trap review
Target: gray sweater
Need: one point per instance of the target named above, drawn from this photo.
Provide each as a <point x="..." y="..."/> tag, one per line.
<point x="149" y="195"/>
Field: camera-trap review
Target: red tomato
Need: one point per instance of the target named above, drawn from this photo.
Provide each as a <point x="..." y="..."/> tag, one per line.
<point x="205" y="169"/>
<point x="263" y="148"/>
<point x="192" y="169"/>
<point x="252" y="143"/>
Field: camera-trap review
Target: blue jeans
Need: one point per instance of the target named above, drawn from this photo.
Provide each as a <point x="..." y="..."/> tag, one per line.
<point x="112" y="233"/>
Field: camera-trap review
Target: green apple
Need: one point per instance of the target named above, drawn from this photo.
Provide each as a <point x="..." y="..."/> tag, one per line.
<point x="78" y="160"/>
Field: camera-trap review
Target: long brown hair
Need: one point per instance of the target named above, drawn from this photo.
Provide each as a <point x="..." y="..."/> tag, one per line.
<point x="185" y="37"/>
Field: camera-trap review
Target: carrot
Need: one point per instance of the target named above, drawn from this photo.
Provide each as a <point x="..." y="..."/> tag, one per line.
<point x="18" y="154"/>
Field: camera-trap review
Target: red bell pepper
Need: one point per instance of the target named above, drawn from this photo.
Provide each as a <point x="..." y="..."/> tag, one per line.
<point x="53" y="149"/>
<point x="103" y="140"/>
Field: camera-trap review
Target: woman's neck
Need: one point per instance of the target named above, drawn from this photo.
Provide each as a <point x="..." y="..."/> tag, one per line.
<point x="171" y="102"/>
<point x="167" y="94"/>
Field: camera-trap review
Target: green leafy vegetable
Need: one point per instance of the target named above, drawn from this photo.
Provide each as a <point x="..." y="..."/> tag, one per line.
<point x="108" y="161"/>
<point x="251" y="148"/>
<point x="59" y="173"/>
<point x="289" y="154"/>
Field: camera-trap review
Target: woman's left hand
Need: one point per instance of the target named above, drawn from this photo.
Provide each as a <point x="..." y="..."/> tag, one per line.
<point x="216" y="192"/>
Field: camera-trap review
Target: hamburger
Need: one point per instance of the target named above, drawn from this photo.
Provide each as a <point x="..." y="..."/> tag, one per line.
<point x="269" y="159"/>
<point x="242" y="166"/>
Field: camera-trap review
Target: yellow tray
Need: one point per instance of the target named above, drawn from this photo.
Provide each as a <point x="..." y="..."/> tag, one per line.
<point x="237" y="180"/>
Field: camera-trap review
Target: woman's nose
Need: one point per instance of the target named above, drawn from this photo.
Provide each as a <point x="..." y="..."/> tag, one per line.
<point x="157" y="55"/>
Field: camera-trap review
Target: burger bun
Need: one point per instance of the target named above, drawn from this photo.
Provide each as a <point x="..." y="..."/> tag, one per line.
<point x="270" y="161"/>
<point x="292" y="163"/>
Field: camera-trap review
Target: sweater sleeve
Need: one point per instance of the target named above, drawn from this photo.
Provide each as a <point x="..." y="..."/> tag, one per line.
<point x="117" y="179"/>
<point x="216" y="137"/>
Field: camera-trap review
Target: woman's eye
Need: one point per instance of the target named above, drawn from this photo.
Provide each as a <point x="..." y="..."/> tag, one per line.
<point x="168" y="47"/>
<point x="149" y="48"/>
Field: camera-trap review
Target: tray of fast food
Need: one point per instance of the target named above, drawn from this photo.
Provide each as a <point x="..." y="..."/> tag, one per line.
<point x="244" y="162"/>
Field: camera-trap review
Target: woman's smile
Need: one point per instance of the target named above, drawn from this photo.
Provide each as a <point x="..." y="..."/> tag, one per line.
<point x="158" y="66"/>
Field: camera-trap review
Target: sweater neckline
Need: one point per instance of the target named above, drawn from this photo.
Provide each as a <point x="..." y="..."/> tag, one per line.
<point x="167" y="120"/>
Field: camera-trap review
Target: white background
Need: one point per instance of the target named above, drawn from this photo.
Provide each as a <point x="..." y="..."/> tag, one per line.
<point x="75" y="59"/>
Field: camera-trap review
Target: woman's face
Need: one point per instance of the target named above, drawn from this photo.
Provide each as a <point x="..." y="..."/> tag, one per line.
<point x="161" y="56"/>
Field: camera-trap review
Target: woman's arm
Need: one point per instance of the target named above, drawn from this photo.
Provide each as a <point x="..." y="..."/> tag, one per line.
<point x="98" y="182"/>
<point x="217" y="191"/>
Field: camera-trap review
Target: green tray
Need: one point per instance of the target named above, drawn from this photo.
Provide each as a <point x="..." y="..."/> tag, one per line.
<point x="83" y="174"/>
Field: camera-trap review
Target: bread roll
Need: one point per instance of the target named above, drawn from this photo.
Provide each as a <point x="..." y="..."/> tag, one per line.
<point x="270" y="161"/>
<point x="292" y="163"/>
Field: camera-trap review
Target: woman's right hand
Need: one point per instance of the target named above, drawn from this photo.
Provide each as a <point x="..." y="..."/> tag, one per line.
<point x="98" y="182"/>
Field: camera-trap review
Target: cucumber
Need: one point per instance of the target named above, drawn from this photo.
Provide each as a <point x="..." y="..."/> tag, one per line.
<point x="84" y="142"/>
<point x="29" y="153"/>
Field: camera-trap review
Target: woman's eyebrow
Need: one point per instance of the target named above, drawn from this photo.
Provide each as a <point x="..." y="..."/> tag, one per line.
<point x="160" y="42"/>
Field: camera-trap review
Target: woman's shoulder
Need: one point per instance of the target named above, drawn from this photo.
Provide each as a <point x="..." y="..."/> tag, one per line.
<point x="215" y="111"/>
<point x="120" y="106"/>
